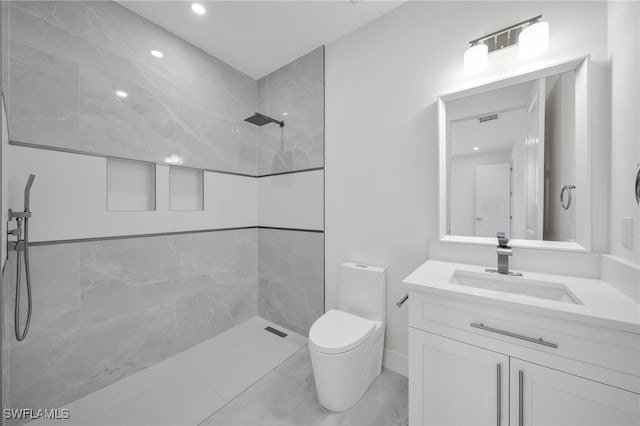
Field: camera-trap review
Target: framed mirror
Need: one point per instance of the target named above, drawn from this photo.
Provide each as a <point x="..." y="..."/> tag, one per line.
<point x="515" y="158"/>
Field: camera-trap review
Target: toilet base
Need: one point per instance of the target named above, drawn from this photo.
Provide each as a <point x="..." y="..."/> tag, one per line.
<point x="342" y="379"/>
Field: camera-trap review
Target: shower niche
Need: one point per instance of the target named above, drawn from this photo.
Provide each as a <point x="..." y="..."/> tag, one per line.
<point x="131" y="185"/>
<point x="186" y="189"/>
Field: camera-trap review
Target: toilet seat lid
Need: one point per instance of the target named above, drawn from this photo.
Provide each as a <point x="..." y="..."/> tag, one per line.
<point x="337" y="332"/>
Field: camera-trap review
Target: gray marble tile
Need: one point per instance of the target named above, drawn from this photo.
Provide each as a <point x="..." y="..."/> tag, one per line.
<point x="74" y="363"/>
<point x="203" y="316"/>
<point x="297" y="89"/>
<point x="187" y="103"/>
<point x="104" y="310"/>
<point x="55" y="288"/>
<point x="291" y="278"/>
<point x="106" y="352"/>
<point x="6" y="336"/>
<point x="43" y="97"/>
<point x="287" y="396"/>
<point x="228" y="256"/>
<point x="4" y="30"/>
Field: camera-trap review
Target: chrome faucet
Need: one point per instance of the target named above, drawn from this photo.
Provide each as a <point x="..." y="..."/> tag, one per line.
<point x="504" y="252"/>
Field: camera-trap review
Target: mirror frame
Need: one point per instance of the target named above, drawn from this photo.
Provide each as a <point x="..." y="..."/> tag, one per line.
<point x="582" y="242"/>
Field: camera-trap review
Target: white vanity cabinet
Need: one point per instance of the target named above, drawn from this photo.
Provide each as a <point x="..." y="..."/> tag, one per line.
<point x="453" y="383"/>
<point x="476" y="362"/>
<point x="544" y="396"/>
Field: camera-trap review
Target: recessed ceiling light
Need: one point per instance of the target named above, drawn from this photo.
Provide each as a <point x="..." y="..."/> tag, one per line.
<point x="173" y="159"/>
<point x="122" y="94"/>
<point x="198" y="8"/>
<point x="475" y="148"/>
<point x="285" y="113"/>
<point x="157" y="53"/>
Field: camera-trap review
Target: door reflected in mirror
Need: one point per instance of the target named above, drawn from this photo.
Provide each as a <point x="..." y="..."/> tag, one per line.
<point x="510" y="152"/>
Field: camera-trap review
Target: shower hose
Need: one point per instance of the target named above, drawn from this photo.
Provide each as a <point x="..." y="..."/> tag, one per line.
<point x="20" y="335"/>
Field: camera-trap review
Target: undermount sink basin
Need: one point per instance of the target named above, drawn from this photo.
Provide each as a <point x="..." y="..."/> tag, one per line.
<point x="515" y="285"/>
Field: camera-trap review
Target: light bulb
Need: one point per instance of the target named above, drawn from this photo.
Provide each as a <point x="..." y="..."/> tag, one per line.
<point x="534" y="40"/>
<point x="476" y="59"/>
<point x="198" y="8"/>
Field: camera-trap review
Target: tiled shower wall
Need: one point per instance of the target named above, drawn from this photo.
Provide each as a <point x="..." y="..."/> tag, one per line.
<point x="296" y="89"/>
<point x="291" y="263"/>
<point x="291" y="277"/>
<point x="67" y="59"/>
<point x="106" y="309"/>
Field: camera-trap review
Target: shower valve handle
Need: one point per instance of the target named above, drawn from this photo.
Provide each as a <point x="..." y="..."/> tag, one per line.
<point x="14" y="215"/>
<point x="16" y="246"/>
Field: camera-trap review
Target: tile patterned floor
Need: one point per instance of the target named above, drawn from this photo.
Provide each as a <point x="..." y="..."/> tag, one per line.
<point x="287" y="396"/>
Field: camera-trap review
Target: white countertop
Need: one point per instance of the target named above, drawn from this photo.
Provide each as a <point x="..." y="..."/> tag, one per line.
<point x="602" y="304"/>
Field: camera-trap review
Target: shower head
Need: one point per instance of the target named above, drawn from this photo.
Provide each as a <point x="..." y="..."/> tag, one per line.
<point x="261" y="119"/>
<point x="27" y="190"/>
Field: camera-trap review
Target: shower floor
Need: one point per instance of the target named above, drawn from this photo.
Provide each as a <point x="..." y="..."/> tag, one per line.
<point x="190" y="386"/>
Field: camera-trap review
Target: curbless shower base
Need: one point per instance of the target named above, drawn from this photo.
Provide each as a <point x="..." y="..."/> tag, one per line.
<point x="190" y="386"/>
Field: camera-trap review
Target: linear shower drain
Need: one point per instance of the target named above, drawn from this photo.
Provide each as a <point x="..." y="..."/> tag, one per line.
<point x="276" y="332"/>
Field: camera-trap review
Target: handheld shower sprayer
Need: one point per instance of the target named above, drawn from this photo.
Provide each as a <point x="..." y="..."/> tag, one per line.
<point x="19" y="246"/>
<point x="27" y="191"/>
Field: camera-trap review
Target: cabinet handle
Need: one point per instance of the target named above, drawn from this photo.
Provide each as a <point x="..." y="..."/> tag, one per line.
<point x="400" y="302"/>
<point x="499" y="379"/>
<point x="539" y="340"/>
<point x="521" y="398"/>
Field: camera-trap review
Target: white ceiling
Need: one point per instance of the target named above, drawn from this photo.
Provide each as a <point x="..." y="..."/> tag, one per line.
<point x="467" y="132"/>
<point x="491" y="136"/>
<point x="258" y="37"/>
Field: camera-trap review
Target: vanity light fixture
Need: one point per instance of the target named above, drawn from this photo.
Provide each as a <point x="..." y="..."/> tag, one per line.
<point x="157" y="53"/>
<point x="534" y="39"/>
<point x="476" y="59"/>
<point x="532" y="35"/>
<point x="198" y="8"/>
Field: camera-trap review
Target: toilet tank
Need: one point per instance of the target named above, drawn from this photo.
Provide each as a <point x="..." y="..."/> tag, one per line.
<point x="362" y="290"/>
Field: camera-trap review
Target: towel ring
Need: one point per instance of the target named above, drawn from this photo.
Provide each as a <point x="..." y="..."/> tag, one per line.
<point x="568" y="189"/>
<point x="638" y="187"/>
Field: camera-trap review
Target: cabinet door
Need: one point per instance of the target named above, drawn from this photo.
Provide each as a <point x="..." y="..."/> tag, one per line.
<point x="453" y="383"/>
<point x="543" y="396"/>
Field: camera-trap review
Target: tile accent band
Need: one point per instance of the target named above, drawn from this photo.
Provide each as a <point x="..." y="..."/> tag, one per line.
<point x="312" y="169"/>
<point x="161" y="234"/>
<point x="277" y="228"/>
<point x="93" y="154"/>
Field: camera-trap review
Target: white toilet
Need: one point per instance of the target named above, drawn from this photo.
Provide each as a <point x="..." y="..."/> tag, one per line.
<point x="346" y="344"/>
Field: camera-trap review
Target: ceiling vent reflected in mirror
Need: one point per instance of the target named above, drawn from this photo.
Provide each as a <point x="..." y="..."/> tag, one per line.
<point x="488" y="118"/>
